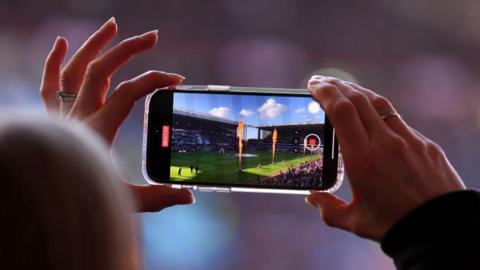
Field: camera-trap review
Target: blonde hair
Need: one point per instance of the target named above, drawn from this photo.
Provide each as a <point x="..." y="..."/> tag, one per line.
<point x="62" y="206"/>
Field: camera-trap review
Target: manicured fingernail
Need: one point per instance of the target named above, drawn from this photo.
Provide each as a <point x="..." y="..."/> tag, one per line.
<point x="191" y="197"/>
<point x="176" y="76"/>
<point x="317" y="78"/>
<point x="308" y="202"/>
<point x="58" y="39"/>
<point x="193" y="200"/>
<point x="149" y="33"/>
<point x="109" y="22"/>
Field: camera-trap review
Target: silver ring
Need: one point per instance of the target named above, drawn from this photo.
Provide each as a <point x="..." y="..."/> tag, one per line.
<point x="66" y="97"/>
<point x="388" y="115"/>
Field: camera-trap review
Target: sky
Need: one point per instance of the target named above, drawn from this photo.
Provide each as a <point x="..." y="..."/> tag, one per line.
<point x="254" y="110"/>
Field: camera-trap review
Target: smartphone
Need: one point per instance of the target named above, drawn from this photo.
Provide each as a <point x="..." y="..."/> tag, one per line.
<point x="224" y="138"/>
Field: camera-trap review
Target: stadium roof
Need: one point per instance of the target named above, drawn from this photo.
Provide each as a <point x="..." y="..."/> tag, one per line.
<point x="205" y="116"/>
<point x="291" y="124"/>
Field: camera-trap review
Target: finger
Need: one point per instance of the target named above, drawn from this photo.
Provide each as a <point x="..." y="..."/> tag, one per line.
<point x="51" y="75"/>
<point x="373" y="122"/>
<point x="335" y="211"/>
<point x="384" y="106"/>
<point x="109" y="118"/>
<point x="95" y="87"/>
<point x="153" y="198"/>
<point x="344" y="117"/>
<point x="74" y="72"/>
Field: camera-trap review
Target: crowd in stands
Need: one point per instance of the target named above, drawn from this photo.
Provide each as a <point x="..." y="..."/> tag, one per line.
<point x="202" y="135"/>
<point x="215" y="140"/>
<point x="307" y="174"/>
<point x="193" y="134"/>
<point x="201" y="141"/>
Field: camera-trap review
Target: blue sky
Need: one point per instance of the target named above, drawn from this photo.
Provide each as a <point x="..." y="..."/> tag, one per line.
<point x="254" y="110"/>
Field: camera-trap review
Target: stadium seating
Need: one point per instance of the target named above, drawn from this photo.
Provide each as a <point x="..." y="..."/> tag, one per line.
<point x="307" y="174"/>
<point x="192" y="133"/>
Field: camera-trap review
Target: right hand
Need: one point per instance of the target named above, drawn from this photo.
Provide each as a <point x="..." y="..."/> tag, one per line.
<point x="391" y="167"/>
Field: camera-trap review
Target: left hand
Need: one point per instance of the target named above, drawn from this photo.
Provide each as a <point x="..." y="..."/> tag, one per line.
<point x="87" y="75"/>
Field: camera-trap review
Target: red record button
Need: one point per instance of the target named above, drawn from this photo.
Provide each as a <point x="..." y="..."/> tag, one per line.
<point x="165" y="136"/>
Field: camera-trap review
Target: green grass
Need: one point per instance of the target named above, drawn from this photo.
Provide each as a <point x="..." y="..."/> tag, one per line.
<point x="215" y="167"/>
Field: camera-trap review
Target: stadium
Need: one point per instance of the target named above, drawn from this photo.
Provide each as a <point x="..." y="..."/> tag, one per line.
<point x="210" y="149"/>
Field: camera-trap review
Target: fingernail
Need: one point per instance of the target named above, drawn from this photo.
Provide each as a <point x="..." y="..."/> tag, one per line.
<point x="317" y="78"/>
<point x="193" y="200"/>
<point x="307" y="200"/>
<point x="149" y="33"/>
<point x="109" y="22"/>
<point x="191" y="197"/>
<point x="176" y="76"/>
<point x="58" y="39"/>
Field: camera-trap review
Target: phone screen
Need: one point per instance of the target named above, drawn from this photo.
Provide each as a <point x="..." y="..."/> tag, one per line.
<point x="243" y="139"/>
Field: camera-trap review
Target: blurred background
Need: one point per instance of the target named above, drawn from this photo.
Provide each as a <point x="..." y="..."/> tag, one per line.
<point x="423" y="55"/>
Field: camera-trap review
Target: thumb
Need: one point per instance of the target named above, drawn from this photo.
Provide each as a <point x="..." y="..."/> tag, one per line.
<point x="334" y="210"/>
<point x="153" y="198"/>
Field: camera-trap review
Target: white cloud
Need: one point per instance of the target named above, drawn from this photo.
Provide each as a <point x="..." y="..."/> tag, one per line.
<point x="271" y="109"/>
<point x="300" y="110"/>
<point x="314" y="107"/>
<point x="222" y="112"/>
<point x="246" y="112"/>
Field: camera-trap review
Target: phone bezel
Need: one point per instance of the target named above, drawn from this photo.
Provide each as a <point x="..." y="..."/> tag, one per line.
<point x="157" y="115"/>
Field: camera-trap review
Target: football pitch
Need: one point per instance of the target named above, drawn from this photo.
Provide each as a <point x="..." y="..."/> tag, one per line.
<point x="215" y="167"/>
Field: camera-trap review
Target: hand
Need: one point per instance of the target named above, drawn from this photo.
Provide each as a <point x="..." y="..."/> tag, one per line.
<point x="392" y="168"/>
<point x="87" y="75"/>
